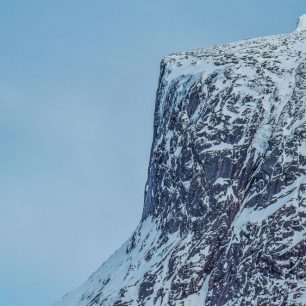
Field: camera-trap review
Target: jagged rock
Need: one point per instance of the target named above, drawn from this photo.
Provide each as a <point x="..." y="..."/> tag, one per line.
<point x="224" y="219"/>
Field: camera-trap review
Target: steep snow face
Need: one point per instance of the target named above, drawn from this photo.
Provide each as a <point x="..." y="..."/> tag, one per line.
<point x="302" y="24"/>
<point x="224" y="219"/>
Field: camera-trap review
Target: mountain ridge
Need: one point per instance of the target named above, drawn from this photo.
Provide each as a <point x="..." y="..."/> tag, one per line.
<point x="224" y="208"/>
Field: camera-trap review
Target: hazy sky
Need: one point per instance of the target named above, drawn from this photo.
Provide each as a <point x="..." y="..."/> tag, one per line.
<point x="77" y="87"/>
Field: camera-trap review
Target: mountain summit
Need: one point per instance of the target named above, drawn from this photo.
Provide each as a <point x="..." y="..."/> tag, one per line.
<point x="224" y="218"/>
<point x="302" y="24"/>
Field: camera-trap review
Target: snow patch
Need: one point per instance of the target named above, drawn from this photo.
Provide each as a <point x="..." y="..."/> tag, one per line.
<point x="262" y="138"/>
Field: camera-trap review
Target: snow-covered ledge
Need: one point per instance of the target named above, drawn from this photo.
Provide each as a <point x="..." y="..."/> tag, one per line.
<point x="302" y="24"/>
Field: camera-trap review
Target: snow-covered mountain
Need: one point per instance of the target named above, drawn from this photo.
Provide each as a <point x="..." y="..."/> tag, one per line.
<point x="224" y="219"/>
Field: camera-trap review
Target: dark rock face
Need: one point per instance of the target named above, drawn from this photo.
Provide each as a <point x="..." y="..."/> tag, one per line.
<point x="224" y="219"/>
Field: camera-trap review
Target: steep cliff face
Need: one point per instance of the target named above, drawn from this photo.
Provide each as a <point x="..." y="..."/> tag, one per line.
<point x="224" y="219"/>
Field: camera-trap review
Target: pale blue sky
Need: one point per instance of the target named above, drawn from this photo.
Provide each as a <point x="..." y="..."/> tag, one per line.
<point x="77" y="86"/>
